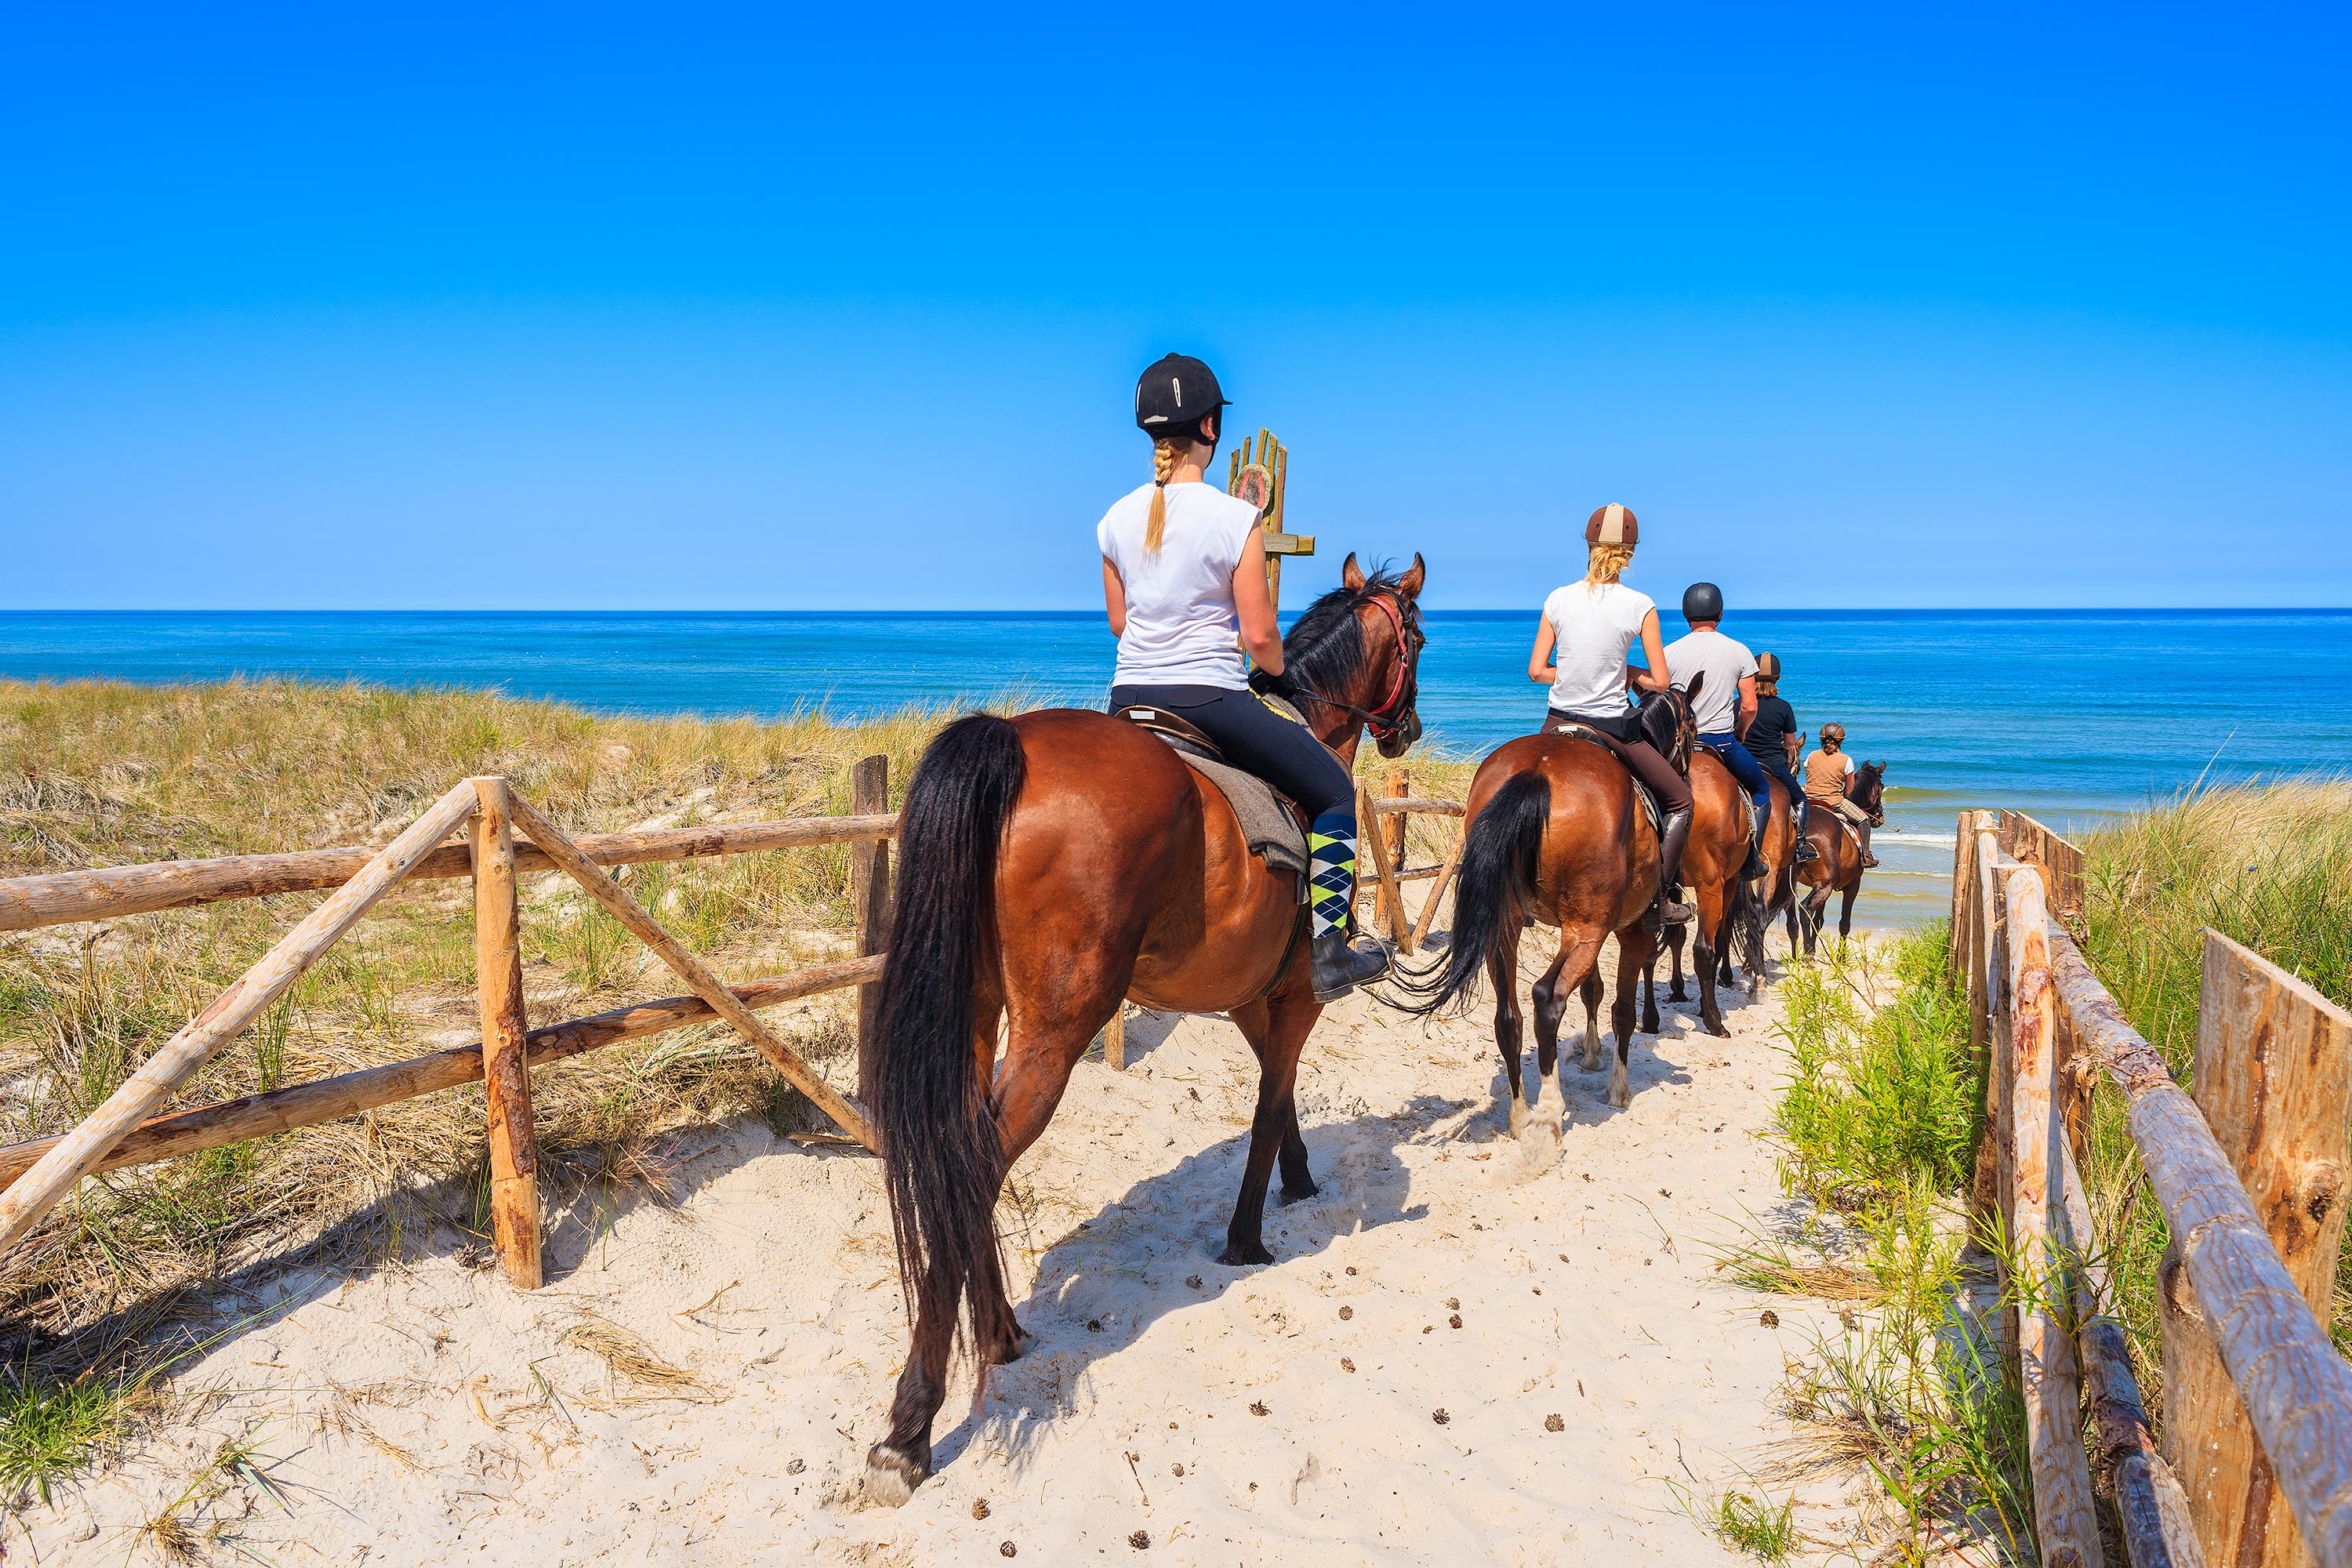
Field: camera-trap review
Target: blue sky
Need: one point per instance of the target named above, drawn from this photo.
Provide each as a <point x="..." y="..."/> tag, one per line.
<point x="592" y="307"/>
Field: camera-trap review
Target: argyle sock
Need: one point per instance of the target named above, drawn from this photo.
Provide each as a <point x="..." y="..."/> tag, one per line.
<point x="1332" y="868"/>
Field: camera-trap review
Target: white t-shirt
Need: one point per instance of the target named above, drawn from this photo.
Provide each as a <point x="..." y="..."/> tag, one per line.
<point x="1181" y="628"/>
<point x="1594" y="626"/>
<point x="1725" y="662"/>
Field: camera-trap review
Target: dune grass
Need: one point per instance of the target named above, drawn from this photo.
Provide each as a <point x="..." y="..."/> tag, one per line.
<point x="1879" y="1119"/>
<point x="103" y="773"/>
<point x="95" y="773"/>
<point x="2270" y="867"/>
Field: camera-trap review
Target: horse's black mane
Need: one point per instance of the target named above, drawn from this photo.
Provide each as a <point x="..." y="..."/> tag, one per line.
<point x="1326" y="646"/>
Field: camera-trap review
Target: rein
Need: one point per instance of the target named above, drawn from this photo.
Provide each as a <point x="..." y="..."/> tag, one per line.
<point x="1382" y="720"/>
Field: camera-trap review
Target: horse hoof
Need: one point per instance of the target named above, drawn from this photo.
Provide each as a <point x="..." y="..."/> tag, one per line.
<point x="892" y="1477"/>
<point x="1518" y="1116"/>
<point x="1720" y="1030"/>
<point x="1005" y="1351"/>
<point x="1299" y="1195"/>
<point x="1235" y="1255"/>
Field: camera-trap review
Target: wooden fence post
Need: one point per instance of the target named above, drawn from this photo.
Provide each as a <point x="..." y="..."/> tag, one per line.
<point x="1114" y="1039"/>
<point x="2065" y="1519"/>
<point x="1397" y="825"/>
<point x="2273" y="1079"/>
<point x="869" y="888"/>
<point x="1371" y="836"/>
<point x="506" y="1074"/>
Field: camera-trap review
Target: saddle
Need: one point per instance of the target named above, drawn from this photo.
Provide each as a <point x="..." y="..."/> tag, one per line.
<point x="1272" y="823"/>
<point x="1641" y="791"/>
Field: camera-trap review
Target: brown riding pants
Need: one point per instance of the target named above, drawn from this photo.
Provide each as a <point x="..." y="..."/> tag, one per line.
<point x="1671" y="789"/>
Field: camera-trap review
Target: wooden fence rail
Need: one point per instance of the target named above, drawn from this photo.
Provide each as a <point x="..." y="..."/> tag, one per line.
<point x="2255" y="1469"/>
<point x="506" y="838"/>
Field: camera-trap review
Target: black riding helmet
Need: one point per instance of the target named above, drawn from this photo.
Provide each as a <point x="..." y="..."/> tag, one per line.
<point x="1176" y="392"/>
<point x="1702" y="602"/>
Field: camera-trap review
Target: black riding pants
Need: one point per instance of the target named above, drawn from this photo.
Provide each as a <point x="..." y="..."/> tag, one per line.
<point x="1256" y="739"/>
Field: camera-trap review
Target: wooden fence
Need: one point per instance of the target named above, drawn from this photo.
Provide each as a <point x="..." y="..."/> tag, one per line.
<point x="2254" y="1467"/>
<point x="126" y="1129"/>
<point x="505" y="837"/>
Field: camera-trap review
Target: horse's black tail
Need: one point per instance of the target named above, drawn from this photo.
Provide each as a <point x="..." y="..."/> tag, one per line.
<point x="1747" y="923"/>
<point x="940" y="1159"/>
<point x="1494" y="892"/>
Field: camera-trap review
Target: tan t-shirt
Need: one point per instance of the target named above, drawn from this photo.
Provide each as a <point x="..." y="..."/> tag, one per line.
<point x="1825" y="774"/>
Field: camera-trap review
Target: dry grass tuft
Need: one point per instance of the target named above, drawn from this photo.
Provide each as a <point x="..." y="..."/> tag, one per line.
<point x="628" y="1354"/>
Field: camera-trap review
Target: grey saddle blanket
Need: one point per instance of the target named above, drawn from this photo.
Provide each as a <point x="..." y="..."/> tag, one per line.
<point x="1268" y="828"/>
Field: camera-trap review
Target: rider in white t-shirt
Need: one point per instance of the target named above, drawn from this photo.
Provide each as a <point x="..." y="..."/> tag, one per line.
<point x="1582" y="642"/>
<point x="1184" y="585"/>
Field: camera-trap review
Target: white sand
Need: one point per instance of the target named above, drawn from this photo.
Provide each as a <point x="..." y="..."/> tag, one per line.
<point x="404" y="1417"/>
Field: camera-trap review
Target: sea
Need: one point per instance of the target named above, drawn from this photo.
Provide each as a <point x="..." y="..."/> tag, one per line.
<point x="2074" y="715"/>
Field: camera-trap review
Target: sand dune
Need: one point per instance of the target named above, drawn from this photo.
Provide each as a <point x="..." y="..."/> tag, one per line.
<point x="1382" y="1394"/>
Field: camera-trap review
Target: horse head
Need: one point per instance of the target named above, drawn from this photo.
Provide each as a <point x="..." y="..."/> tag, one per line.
<point x="1668" y="720"/>
<point x="1356" y="650"/>
<point x="1868" y="791"/>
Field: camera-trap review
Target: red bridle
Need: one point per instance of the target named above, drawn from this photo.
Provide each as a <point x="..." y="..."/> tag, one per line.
<point x="1381" y="720"/>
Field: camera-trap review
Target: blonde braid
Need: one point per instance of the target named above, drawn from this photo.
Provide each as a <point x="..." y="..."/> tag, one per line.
<point x="1163" y="463"/>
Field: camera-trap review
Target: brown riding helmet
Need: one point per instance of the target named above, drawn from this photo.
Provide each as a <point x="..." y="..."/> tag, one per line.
<point x="1767" y="667"/>
<point x="1833" y="733"/>
<point x="1612" y="524"/>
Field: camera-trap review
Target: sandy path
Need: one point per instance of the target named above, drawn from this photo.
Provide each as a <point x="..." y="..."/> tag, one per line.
<point x="407" y="1420"/>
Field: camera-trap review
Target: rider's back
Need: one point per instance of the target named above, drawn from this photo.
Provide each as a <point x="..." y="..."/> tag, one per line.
<point x="1594" y="625"/>
<point x="1181" y="628"/>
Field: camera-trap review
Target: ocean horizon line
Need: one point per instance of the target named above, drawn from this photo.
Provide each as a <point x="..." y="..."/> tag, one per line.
<point x="1986" y="612"/>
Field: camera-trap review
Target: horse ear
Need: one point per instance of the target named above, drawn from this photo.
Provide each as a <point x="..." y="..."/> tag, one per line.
<point x="1690" y="692"/>
<point x="1410" y="583"/>
<point x="1352" y="576"/>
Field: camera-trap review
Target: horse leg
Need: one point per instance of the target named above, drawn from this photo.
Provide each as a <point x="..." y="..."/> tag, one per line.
<point x="1674" y="939"/>
<point x="1650" y="998"/>
<point x="1590" y="994"/>
<point x="1502" y="974"/>
<point x="1815" y="902"/>
<point x="1635" y="947"/>
<point x="1704" y="958"/>
<point x="1289" y="1017"/>
<point x="1256" y="1024"/>
<point x="1566" y="974"/>
<point x="1845" y="911"/>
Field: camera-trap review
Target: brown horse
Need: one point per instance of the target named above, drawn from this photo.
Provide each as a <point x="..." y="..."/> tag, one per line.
<point x="1729" y="914"/>
<point x="1051" y="866"/>
<point x="1554" y="835"/>
<point x="1839" y="869"/>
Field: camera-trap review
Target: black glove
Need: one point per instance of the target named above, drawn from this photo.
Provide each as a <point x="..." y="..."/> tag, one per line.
<point x="1266" y="683"/>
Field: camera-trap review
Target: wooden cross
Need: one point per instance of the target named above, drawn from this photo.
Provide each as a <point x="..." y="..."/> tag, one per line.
<point x="1261" y="475"/>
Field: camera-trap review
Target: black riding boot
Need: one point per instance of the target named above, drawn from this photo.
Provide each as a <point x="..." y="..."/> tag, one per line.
<point x="1862" y="836"/>
<point x="1669" y="910"/>
<point x="1805" y="851"/>
<point x="1337" y="966"/>
<point x="1763" y="812"/>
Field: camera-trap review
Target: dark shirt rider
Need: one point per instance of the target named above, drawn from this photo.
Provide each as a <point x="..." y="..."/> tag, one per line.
<point x="1771" y="738"/>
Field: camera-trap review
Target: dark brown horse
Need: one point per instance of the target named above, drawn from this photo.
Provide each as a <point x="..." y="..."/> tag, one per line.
<point x="1554" y="835"/>
<point x="1051" y="866"/>
<point x="1730" y="917"/>
<point x="1839" y="869"/>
